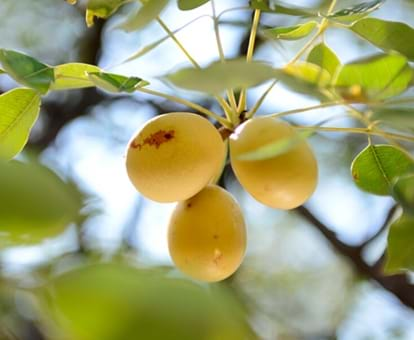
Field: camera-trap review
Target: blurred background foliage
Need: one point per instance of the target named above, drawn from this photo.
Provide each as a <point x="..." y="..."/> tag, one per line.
<point x="104" y="272"/>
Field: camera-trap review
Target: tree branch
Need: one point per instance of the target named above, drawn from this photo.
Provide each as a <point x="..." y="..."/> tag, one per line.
<point x="398" y="285"/>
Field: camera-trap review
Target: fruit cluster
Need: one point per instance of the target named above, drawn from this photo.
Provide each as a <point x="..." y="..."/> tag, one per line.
<point x="177" y="157"/>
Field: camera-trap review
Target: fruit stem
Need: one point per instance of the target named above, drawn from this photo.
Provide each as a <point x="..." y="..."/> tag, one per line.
<point x="249" y="56"/>
<point x="226" y="108"/>
<point x="365" y="131"/>
<point x="305" y="109"/>
<point x="188" y="103"/>
<point x="230" y="93"/>
<point x="259" y="103"/>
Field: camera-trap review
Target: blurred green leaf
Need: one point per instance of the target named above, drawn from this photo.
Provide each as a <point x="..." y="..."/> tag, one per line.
<point x="122" y="302"/>
<point x="73" y="76"/>
<point x="27" y="70"/>
<point x="400" y="250"/>
<point x="401" y="118"/>
<point x="395" y="78"/>
<point x="19" y="109"/>
<point x="325" y="58"/>
<point x="387" y="35"/>
<point x="357" y="12"/>
<point x="186" y="5"/>
<point x="115" y="82"/>
<point x="34" y="203"/>
<point x="375" y="168"/>
<point x="403" y="192"/>
<point x="276" y="148"/>
<point x="102" y="9"/>
<point x="148" y="12"/>
<point x="219" y="76"/>
<point x="2" y="71"/>
<point x="280" y="8"/>
<point x="291" y="32"/>
<point x="305" y="78"/>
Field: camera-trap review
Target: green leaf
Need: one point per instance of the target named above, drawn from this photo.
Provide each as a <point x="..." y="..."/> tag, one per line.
<point x="375" y="168"/>
<point x="387" y="35"/>
<point x="305" y="78"/>
<point x="73" y="76"/>
<point x="19" y="109"/>
<point x="148" y="12"/>
<point x="34" y="203"/>
<point x="280" y="8"/>
<point x="325" y="58"/>
<point x="403" y="192"/>
<point x="291" y="32"/>
<point x="401" y="118"/>
<point x="357" y="12"/>
<point x="2" y="71"/>
<point x="395" y="78"/>
<point x="276" y="148"/>
<point x="115" y="82"/>
<point x="400" y="251"/>
<point x="219" y="76"/>
<point x="102" y="9"/>
<point x="121" y="302"/>
<point x="27" y="70"/>
<point x="186" y="5"/>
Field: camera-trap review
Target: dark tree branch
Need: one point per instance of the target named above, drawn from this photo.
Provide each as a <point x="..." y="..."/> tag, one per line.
<point x="398" y="284"/>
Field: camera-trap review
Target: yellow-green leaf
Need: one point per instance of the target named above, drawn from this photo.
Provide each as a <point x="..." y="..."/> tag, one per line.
<point x="325" y="58"/>
<point x="19" y="110"/>
<point x="291" y="32"/>
<point x="378" y="77"/>
<point x="400" y="250"/>
<point x="387" y="35"/>
<point x="357" y="12"/>
<point x="102" y="9"/>
<point x="73" y="76"/>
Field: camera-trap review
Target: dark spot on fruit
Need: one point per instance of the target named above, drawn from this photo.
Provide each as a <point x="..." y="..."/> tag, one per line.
<point x="135" y="145"/>
<point x="216" y="237"/>
<point x="158" y="138"/>
<point x="355" y="176"/>
<point x="189" y="205"/>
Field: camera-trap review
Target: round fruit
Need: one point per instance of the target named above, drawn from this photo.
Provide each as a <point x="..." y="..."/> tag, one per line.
<point x="207" y="235"/>
<point x="174" y="156"/>
<point x="285" y="181"/>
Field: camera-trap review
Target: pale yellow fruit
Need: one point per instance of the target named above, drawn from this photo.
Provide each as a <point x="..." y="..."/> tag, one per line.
<point x="285" y="181"/>
<point x="174" y="156"/>
<point x="207" y="235"/>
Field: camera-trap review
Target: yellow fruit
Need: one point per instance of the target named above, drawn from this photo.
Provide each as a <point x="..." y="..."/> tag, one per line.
<point x="174" y="156"/>
<point x="285" y="181"/>
<point x="207" y="235"/>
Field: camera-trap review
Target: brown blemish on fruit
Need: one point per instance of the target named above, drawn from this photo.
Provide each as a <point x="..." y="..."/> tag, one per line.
<point x="355" y="176"/>
<point x="189" y="205"/>
<point x="155" y="139"/>
<point x="215" y="236"/>
<point x="217" y="256"/>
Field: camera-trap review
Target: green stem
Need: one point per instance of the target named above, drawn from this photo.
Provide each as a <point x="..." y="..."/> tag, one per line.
<point x="181" y="47"/>
<point x="305" y="109"/>
<point x="259" y="103"/>
<point x="226" y="108"/>
<point x="230" y="92"/>
<point x="187" y="103"/>
<point x="365" y="131"/>
<point x="249" y="56"/>
<point x="322" y="28"/>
